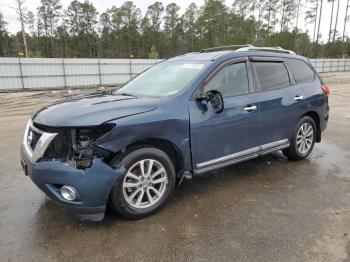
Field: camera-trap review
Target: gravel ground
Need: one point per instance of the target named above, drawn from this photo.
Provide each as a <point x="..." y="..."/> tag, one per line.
<point x="267" y="209"/>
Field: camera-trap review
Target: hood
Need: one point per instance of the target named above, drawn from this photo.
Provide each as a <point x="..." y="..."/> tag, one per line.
<point x="92" y="110"/>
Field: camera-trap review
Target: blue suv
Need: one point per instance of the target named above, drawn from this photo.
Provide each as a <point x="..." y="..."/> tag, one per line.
<point x="191" y="114"/>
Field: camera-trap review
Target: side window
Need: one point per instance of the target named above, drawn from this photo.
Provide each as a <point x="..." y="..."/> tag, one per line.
<point x="300" y="70"/>
<point x="270" y="75"/>
<point x="232" y="80"/>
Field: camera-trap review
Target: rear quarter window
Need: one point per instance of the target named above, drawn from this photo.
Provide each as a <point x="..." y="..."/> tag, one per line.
<point x="270" y="75"/>
<point x="301" y="70"/>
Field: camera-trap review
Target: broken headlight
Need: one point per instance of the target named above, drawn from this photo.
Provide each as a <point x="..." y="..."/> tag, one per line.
<point x="82" y="142"/>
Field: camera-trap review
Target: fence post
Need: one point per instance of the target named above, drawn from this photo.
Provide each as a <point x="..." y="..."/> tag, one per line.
<point x="64" y="73"/>
<point x="345" y="64"/>
<point x="130" y="68"/>
<point x="21" y="71"/>
<point x="324" y="61"/>
<point x="99" y="70"/>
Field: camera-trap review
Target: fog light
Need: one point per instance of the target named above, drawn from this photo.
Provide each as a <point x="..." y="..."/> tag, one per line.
<point x="68" y="192"/>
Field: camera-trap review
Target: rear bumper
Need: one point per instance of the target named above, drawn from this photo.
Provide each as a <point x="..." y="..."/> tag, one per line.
<point x="93" y="184"/>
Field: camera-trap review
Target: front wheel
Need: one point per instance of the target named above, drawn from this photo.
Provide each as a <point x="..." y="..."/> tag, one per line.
<point x="303" y="139"/>
<point x="146" y="185"/>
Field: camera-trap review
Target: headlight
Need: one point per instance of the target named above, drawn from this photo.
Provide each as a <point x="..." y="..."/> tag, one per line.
<point x="83" y="139"/>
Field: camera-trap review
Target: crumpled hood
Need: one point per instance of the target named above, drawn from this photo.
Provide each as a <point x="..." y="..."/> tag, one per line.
<point x="92" y="110"/>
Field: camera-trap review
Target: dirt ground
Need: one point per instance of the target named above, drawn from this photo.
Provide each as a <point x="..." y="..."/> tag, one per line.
<point x="267" y="209"/>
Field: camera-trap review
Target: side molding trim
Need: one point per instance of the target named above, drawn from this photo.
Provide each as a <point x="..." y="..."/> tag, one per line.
<point x="241" y="156"/>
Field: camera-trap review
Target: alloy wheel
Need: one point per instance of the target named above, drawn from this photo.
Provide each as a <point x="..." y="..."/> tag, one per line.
<point x="145" y="183"/>
<point x="305" y="138"/>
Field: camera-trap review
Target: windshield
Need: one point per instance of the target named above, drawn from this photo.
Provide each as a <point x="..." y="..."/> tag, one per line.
<point x="164" y="79"/>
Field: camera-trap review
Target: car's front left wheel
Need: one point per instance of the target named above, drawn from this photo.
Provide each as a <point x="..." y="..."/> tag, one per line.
<point x="146" y="185"/>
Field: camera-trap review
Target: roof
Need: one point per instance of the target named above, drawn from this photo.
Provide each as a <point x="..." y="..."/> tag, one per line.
<point x="212" y="56"/>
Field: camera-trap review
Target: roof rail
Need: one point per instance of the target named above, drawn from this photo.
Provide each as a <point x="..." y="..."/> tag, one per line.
<point x="228" y="47"/>
<point x="275" y="49"/>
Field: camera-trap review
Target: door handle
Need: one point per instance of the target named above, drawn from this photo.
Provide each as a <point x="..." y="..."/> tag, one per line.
<point x="249" y="108"/>
<point x="298" y="98"/>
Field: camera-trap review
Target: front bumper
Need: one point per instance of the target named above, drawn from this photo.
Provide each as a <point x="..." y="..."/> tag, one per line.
<point x="93" y="184"/>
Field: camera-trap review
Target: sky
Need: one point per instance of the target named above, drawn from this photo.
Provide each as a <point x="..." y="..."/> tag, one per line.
<point x="10" y="16"/>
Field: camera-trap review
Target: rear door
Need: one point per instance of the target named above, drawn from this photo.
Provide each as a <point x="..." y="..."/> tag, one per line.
<point x="279" y="101"/>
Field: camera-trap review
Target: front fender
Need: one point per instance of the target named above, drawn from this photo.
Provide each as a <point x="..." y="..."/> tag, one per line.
<point x="156" y="124"/>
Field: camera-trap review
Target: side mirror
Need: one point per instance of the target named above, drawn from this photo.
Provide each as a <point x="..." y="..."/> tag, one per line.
<point x="214" y="98"/>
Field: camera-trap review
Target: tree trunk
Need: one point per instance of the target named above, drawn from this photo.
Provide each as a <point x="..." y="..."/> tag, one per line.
<point x="282" y="19"/>
<point x="20" y="10"/>
<point x="315" y="26"/>
<point x="345" y="19"/>
<point x="319" y="23"/>
<point x="330" y="25"/>
<point x="296" y="23"/>
<point x="24" y="40"/>
<point x="336" y="22"/>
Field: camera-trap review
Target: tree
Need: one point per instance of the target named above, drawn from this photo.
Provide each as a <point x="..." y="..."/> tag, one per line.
<point x="311" y="16"/>
<point x="345" y="19"/>
<point x="240" y="7"/>
<point x="48" y="13"/>
<point x="121" y="31"/>
<point x="22" y="16"/>
<point x="287" y="7"/>
<point x="31" y="23"/>
<point x="154" y="53"/>
<point x="336" y="22"/>
<point x="212" y="20"/>
<point x="319" y="24"/>
<point x="270" y="9"/>
<point x="154" y="15"/>
<point x="331" y="22"/>
<point x="82" y="19"/>
<point x="130" y="16"/>
<point x="171" y="22"/>
<point x="4" y="37"/>
<point x="189" y="19"/>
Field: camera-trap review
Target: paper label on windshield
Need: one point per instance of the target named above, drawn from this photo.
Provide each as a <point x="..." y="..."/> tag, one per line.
<point x="193" y="66"/>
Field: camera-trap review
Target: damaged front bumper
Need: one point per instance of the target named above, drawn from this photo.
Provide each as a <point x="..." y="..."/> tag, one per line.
<point x="93" y="184"/>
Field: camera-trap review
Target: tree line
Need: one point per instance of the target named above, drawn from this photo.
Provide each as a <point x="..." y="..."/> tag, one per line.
<point x="124" y="32"/>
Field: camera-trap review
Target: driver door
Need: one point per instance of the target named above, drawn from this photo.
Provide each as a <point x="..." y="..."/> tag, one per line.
<point x="220" y="139"/>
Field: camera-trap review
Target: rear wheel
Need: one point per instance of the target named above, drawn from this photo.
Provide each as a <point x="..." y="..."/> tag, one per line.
<point x="146" y="185"/>
<point x="303" y="139"/>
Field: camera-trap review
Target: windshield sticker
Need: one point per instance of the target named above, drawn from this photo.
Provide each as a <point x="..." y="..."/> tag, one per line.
<point x="193" y="66"/>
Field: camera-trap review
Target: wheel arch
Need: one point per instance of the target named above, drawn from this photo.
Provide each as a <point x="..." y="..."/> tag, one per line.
<point x="314" y="115"/>
<point x="163" y="144"/>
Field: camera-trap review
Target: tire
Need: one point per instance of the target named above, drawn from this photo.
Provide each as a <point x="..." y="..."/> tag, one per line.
<point x="296" y="151"/>
<point x="150" y="197"/>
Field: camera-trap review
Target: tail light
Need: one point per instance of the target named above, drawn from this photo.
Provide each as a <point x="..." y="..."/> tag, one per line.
<point x="325" y="89"/>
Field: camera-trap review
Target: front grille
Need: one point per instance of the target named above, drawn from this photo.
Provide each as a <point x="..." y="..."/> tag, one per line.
<point x="33" y="138"/>
<point x="59" y="147"/>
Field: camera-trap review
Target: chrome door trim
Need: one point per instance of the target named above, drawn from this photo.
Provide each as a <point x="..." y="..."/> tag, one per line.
<point x="276" y="145"/>
<point x="228" y="157"/>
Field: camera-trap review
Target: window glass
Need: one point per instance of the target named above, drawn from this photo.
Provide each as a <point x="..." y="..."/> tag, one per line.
<point x="301" y="71"/>
<point x="164" y="79"/>
<point x="270" y="75"/>
<point x="231" y="80"/>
